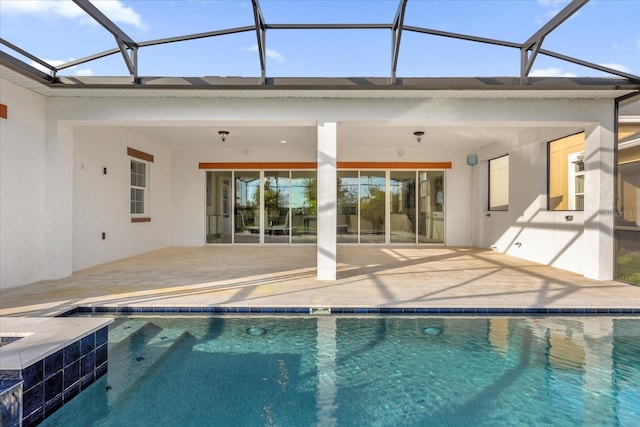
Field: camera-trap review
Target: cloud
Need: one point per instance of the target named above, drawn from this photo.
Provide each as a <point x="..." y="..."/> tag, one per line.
<point x="56" y="62"/>
<point x="546" y="17"/>
<point x="275" y="55"/>
<point x="114" y="9"/>
<point x="84" y="72"/>
<point x="66" y="9"/>
<point x="616" y="67"/>
<point x="558" y="72"/>
<point x="620" y="47"/>
<point x="550" y="72"/>
<point x="270" y="53"/>
<point x="118" y="12"/>
<point x="552" y="8"/>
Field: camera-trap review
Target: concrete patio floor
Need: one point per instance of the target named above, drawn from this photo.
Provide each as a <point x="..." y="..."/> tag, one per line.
<point x="285" y="276"/>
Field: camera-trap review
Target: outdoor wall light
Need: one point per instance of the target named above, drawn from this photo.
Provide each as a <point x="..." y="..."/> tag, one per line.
<point x="223" y="135"/>
<point x="418" y="134"/>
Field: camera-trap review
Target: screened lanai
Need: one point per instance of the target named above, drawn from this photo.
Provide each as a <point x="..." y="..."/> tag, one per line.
<point x="317" y="123"/>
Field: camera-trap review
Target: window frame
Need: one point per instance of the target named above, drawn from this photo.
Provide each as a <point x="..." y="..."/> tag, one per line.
<point x="489" y="206"/>
<point x="144" y="188"/>
<point x="575" y="159"/>
<point x="571" y="159"/>
<point x="140" y="157"/>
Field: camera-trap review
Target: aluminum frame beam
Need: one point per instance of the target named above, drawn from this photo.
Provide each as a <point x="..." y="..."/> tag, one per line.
<point x="101" y="18"/>
<point x="529" y="49"/>
<point x="329" y="26"/>
<point x="156" y="42"/>
<point x="631" y="77"/>
<point x="396" y="36"/>
<point x="197" y="36"/>
<point x="460" y="36"/>
<point x="30" y="56"/>
<point x="534" y="43"/>
<point x="261" y="34"/>
<point x="88" y="58"/>
<point x="124" y="42"/>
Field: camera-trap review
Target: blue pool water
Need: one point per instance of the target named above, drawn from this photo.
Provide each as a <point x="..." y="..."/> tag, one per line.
<point x="365" y="371"/>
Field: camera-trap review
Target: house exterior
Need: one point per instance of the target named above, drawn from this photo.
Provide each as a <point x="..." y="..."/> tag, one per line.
<point x="97" y="169"/>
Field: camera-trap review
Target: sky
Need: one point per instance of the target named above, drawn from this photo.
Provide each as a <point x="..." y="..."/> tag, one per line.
<point x="604" y="32"/>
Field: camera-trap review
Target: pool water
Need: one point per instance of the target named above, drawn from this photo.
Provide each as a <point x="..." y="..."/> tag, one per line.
<point x="365" y="371"/>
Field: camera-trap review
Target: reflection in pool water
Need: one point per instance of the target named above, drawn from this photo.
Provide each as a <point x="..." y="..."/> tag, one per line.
<point x="353" y="371"/>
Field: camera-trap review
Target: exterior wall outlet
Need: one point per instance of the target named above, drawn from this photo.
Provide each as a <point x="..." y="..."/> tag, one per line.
<point x="104" y="236"/>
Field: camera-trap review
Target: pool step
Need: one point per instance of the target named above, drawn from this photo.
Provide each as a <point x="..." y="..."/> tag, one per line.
<point x="137" y="355"/>
<point x="119" y="332"/>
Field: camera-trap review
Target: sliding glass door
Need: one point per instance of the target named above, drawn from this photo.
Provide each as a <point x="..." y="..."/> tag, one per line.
<point x="280" y="206"/>
<point x="261" y="207"/>
<point x="304" y="207"/>
<point x="372" y="218"/>
<point x="277" y="215"/>
<point x="347" y="203"/>
<point x="402" y="224"/>
<point x="219" y="219"/>
<point x="247" y="207"/>
<point x="390" y="207"/>
<point x="431" y="207"/>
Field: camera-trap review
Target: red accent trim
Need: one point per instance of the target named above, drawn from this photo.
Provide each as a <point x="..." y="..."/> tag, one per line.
<point x="314" y="165"/>
<point x="394" y="165"/>
<point x="140" y="219"/>
<point x="259" y="165"/>
<point x="139" y="154"/>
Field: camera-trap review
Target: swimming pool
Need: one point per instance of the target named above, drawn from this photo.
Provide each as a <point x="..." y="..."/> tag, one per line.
<point x="353" y="371"/>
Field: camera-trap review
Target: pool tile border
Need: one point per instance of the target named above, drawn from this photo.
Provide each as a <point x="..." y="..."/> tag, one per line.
<point x="52" y="381"/>
<point x="351" y="310"/>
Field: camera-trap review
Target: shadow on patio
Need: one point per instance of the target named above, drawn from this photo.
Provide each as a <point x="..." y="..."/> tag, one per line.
<point x="285" y="276"/>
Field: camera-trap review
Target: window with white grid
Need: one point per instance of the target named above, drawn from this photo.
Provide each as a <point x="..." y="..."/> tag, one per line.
<point x="139" y="181"/>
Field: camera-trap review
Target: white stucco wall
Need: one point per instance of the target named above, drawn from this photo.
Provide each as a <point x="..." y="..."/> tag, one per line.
<point x="527" y="230"/>
<point x="101" y="202"/>
<point x="23" y="187"/>
<point x="56" y="201"/>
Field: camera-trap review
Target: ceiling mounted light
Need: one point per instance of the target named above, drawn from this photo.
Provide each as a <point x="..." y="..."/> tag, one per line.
<point x="418" y="134"/>
<point x="223" y="135"/>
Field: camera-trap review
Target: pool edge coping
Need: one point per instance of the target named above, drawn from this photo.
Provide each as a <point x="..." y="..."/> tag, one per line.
<point x="81" y="309"/>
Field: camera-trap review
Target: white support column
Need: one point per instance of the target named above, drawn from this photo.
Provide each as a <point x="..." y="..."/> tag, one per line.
<point x="327" y="178"/>
<point x="599" y="184"/>
<point x="59" y="238"/>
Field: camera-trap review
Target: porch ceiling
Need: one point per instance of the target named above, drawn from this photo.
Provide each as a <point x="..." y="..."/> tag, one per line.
<point x="351" y="136"/>
<point x="364" y="135"/>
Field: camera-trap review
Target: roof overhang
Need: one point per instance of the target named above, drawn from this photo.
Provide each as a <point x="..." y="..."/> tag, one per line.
<point x="304" y="87"/>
